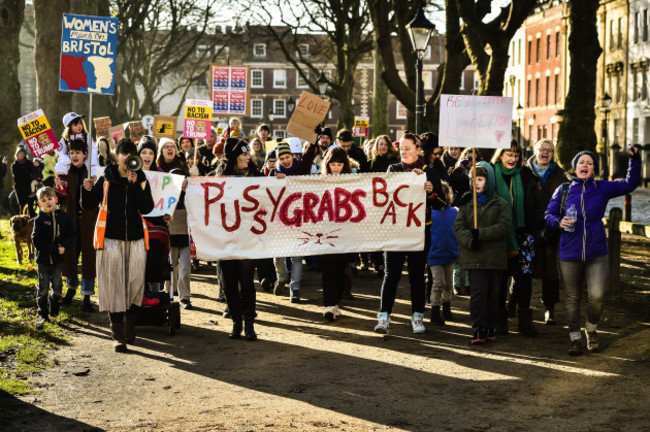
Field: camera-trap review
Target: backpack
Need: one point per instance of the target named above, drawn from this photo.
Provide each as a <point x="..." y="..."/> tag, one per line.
<point x="552" y="235"/>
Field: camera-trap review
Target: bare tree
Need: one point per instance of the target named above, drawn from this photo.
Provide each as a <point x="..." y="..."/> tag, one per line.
<point x="158" y="41"/>
<point x="336" y="31"/>
<point x="11" y="18"/>
<point x="577" y="128"/>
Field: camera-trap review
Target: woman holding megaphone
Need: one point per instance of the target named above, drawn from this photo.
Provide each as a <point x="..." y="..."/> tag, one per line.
<point x="121" y="239"/>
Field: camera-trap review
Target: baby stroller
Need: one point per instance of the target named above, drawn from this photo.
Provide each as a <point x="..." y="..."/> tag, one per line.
<point x="158" y="308"/>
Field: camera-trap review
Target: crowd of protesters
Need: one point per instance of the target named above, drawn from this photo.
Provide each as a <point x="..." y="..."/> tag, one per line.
<point x="520" y="229"/>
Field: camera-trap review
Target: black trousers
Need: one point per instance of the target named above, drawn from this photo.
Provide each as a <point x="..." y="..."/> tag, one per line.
<point x="522" y="286"/>
<point x="550" y="291"/>
<point x="485" y="287"/>
<point x="393" y="264"/>
<point x="333" y="276"/>
<point x="265" y="269"/>
<point x="239" y="287"/>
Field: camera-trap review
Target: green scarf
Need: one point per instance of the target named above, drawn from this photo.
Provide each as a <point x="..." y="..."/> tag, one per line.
<point x="518" y="217"/>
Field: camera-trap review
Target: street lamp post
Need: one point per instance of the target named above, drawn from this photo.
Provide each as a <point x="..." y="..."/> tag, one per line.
<point x="606" y="101"/>
<point x="322" y="82"/>
<point x="271" y="116"/>
<point x="520" y="112"/>
<point x="420" y="29"/>
<point x="291" y="105"/>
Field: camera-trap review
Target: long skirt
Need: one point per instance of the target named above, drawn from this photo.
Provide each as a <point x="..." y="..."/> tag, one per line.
<point x="120" y="274"/>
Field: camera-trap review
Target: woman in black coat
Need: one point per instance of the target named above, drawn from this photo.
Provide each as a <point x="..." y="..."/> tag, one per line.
<point x="21" y="170"/>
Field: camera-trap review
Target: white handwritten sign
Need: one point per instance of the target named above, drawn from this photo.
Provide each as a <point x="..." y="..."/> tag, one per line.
<point x="475" y="121"/>
<point x="262" y="217"/>
<point x="166" y="189"/>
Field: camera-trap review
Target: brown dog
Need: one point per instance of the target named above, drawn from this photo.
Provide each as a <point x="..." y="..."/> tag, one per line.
<point x="21" y="229"/>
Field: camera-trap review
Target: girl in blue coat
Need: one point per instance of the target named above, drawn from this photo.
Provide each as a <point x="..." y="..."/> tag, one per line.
<point x="583" y="250"/>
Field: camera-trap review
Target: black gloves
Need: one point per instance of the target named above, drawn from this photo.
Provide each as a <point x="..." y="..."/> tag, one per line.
<point x="475" y="242"/>
<point x="636" y="155"/>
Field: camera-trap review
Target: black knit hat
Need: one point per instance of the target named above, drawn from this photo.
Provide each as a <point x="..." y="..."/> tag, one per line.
<point x="148" y="142"/>
<point x="594" y="158"/>
<point x="328" y="132"/>
<point x="234" y="147"/>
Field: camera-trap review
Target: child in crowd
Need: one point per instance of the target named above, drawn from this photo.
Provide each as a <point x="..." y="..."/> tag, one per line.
<point x="483" y="250"/>
<point x="269" y="163"/>
<point x="37" y="175"/>
<point x="334" y="265"/>
<point x="84" y="224"/>
<point x="75" y="128"/>
<point x="289" y="165"/>
<point x="443" y="253"/>
<point x="52" y="235"/>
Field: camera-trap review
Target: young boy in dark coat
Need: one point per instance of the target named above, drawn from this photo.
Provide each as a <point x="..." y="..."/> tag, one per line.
<point x="52" y="235"/>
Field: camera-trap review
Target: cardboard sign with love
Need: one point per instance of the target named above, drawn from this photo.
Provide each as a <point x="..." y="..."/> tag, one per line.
<point x="310" y="112"/>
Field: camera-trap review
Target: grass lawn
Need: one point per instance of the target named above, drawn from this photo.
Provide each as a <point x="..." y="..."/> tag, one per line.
<point x="24" y="350"/>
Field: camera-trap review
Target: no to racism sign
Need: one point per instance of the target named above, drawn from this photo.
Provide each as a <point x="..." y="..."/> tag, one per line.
<point x="263" y="217"/>
<point x="88" y="52"/>
<point x="475" y="121"/>
<point x="198" y="119"/>
<point x="37" y="133"/>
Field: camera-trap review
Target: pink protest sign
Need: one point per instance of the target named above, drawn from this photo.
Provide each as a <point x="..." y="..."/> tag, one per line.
<point x="198" y="119"/>
<point x="475" y="121"/>
<point x="37" y="133"/>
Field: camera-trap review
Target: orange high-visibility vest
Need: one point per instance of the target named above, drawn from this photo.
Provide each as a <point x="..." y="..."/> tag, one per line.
<point x="100" y="226"/>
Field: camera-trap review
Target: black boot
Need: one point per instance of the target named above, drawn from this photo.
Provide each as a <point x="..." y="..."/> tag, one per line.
<point x="249" y="330"/>
<point x="129" y="324"/>
<point x="55" y="305"/>
<point x="236" y="329"/>
<point x="69" y="295"/>
<point x="501" y="326"/>
<point x="117" y="332"/>
<point x="436" y="318"/>
<point x="446" y="311"/>
<point x="512" y="307"/>
<point x="87" y="306"/>
<point x="526" y="326"/>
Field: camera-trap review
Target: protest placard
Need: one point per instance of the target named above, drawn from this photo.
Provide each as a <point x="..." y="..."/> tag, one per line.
<point x="88" y="52"/>
<point x="198" y="119"/>
<point x="310" y="112"/>
<point x="230" y="90"/>
<point x="102" y="125"/>
<point x="475" y="121"/>
<point x="136" y="131"/>
<point x="166" y="189"/>
<point x="252" y="217"/>
<point x="270" y="145"/>
<point x="116" y="133"/>
<point x="164" y="126"/>
<point x="38" y="134"/>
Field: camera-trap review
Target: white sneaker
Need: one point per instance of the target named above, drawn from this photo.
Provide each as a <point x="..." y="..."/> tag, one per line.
<point x="383" y="321"/>
<point x="337" y="312"/>
<point x="329" y="313"/>
<point x="417" y="322"/>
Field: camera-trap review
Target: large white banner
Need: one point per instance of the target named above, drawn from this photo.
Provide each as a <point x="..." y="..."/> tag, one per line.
<point x="475" y="121"/>
<point x="263" y="217"/>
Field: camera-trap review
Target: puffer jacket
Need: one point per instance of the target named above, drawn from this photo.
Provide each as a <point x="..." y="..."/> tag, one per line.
<point x="589" y="241"/>
<point x="444" y="245"/>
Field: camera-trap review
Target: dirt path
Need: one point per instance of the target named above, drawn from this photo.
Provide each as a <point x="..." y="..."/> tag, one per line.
<point x="306" y="374"/>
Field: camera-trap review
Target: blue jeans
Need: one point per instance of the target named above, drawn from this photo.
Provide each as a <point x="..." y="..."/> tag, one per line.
<point x="573" y="273"/>
<point x="87" y="285"/>
<point x="296" y="271"/>
<point x="48" y="274"/>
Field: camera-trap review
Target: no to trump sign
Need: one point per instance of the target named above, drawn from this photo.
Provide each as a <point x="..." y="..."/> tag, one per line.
<point x="37" y="133"/>
<point x="198" y="119"/>
<point x="88" y="51"/>
<point x="263" y="217"/>
<point x="475" y="121"/>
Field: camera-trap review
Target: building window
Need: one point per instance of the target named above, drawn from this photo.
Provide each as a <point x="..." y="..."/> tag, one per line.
<point x="557" y="88"/>
<point x="635" y="89"/>
<point x="619" y="45"/>
<point x="547" y="90"/>
<point x="303" y="50"/>
<point x="300" y="82"/>
<point x="617" y="127"/>
<point x="512" y="58"/>
<point x="221" y="51"/>
<point x="637" y="17"/>
<point x="530" y="51"/>
<point x="618" y="88"/>
<point x="611" y="35"/>
<point x="257" y="108"/>
<point x="530" y="133"/>
<point x="427" y="79"/>
<point x="279" y="78"/>
<point x="477" y="83"/>
<point x="528" y="93"/>
<point x="557" y="43"/>
<point x="635" y="131"/>
<point x="257" y="78"/>
<point x="548" y="46"/>
<point x="278" y="134"/>
<point x="644" y="86"/>
<point x="280" y="108"/>
<point x="259" y="50"/>
<point x="518" y="92"/>
<point x="462" y="80"/>
<point x="536" y="91"/>
<point x="537" y="47"/>
<point x="202" y="50"/>
<point x="645" y="25"/>
<point x="519" y="51"/>
<point x="427" y="53"/>
<point x="400" y="111"/>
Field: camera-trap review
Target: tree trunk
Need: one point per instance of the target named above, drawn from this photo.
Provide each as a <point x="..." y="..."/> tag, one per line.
<point x="11" y="18"/>
<point x="577" y="128"/>
<point x="47" y="22"/>
<point x="497" y="68"/>
<point x="379" y="97"/>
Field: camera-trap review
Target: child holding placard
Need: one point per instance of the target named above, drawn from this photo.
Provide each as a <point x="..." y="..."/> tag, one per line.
<point x="75" y="128"/>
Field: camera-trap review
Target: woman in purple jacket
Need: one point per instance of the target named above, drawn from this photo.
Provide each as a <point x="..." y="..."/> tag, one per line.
<point x="583" y="250"/>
